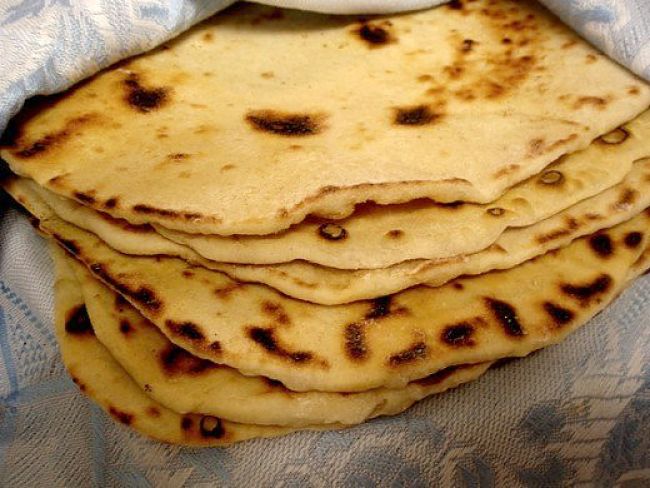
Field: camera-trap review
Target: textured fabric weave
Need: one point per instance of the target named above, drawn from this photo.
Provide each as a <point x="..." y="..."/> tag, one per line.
<point x="577" y="413"/>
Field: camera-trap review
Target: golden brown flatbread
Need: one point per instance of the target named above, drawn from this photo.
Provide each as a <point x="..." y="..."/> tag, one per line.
<point x="457" y="103"/>
<point x="185" y="383"/>
<point x="385" y="342"/>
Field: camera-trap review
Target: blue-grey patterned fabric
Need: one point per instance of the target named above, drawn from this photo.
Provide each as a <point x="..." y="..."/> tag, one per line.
<point x="575" y="414"/>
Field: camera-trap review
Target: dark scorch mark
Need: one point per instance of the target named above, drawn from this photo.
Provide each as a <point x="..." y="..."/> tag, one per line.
<point x="143" y="99"/>
<point x="506" y="315"/>
<point x="560" y="315"/>
<point x="77" y="321"/>
<point x="285" y="124"/>
<point x="265" y="337"/>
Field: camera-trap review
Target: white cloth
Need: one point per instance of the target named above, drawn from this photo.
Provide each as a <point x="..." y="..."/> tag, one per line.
<point x="354" y="6"/>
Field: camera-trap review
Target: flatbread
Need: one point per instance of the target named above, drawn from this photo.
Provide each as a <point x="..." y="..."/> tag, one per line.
<point x="331" y="286"/>
<point x="457" y="103"/>
<point x="118" y="233"/>
<point x="185" y="383"/>
<point x="641" y="266"/>
<point x="378" y="236"/>
<point x="386" y="342"/>
<point x="99" y="376"/>
<point x="102" y="379"/>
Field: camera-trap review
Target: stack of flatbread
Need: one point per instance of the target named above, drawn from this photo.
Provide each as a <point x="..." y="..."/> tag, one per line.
<point x="284" y="220"/>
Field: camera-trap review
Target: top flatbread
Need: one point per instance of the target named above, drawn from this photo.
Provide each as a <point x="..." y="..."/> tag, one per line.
<point x="382" y="235"/>
<point x="259" y="117"/>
